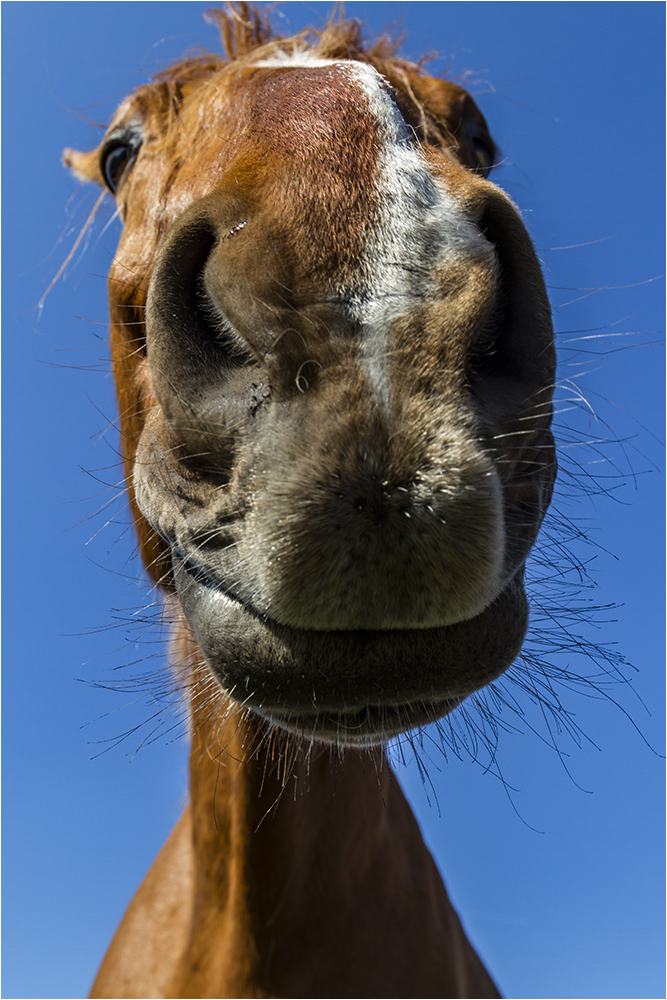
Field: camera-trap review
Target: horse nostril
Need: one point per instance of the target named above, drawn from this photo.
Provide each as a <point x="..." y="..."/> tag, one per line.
<point x="184" y="315"/>
<point x="211" y="320"/>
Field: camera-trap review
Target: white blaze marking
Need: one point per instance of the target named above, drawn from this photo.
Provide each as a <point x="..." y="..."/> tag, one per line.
<point x="298" y="58"/>
<point x="421" y="225"/>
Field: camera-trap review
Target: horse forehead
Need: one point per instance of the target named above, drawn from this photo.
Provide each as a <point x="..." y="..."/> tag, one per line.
<point x="301" y="108"/>
<point x="325" y="140"/>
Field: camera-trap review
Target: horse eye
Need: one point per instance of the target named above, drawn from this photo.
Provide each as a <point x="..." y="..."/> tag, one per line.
<point x="119" y="152"/>
<point x="115" y="161"/>
<point x="482" y="155"/>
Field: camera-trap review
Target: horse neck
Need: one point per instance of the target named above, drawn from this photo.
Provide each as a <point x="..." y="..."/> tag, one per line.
<point x="268" y="813"/>
<point x="280" y="830"/>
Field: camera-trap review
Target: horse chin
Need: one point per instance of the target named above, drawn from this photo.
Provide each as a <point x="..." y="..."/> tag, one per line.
<point x="367" y="727"/>
<point x="357" y="688"/>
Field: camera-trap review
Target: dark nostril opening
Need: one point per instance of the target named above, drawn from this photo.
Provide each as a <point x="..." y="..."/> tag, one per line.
<point x="181" y="302"/>
<point x="211" y="319"/>
<point x="515" y="346"/>
<point x="496" y="353"/>
<point x="185" y="258"/>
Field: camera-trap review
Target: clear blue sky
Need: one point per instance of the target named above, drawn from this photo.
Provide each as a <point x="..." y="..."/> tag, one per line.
<point x="559" y="876"/>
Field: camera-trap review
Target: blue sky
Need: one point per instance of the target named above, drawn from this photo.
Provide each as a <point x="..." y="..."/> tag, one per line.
<point x="558" y="869"/>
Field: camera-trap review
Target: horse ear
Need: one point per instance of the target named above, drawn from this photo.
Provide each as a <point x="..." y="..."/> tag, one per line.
<point x="86" y="166"/>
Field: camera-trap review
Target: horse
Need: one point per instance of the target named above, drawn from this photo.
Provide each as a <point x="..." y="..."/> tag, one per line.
<point x="334" y="364"/>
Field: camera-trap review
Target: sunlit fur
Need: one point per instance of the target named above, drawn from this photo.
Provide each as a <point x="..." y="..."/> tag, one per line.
<point x="334" y="363"/>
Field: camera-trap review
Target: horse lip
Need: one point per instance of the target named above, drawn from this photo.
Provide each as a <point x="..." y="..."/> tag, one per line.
<point x="200" y="577"/>
<point x="306" y="720"/>
<point x="404" y="679"/>
<point x="204" y="579"/>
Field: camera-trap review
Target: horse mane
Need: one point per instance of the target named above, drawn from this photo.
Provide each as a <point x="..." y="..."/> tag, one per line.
<point x="244" y="29"/>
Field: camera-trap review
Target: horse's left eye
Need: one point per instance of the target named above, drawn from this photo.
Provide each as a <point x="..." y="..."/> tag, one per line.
<point x="114" y="162"/>
<point x="483" y="155"/>
<point x="119" y="152"/>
